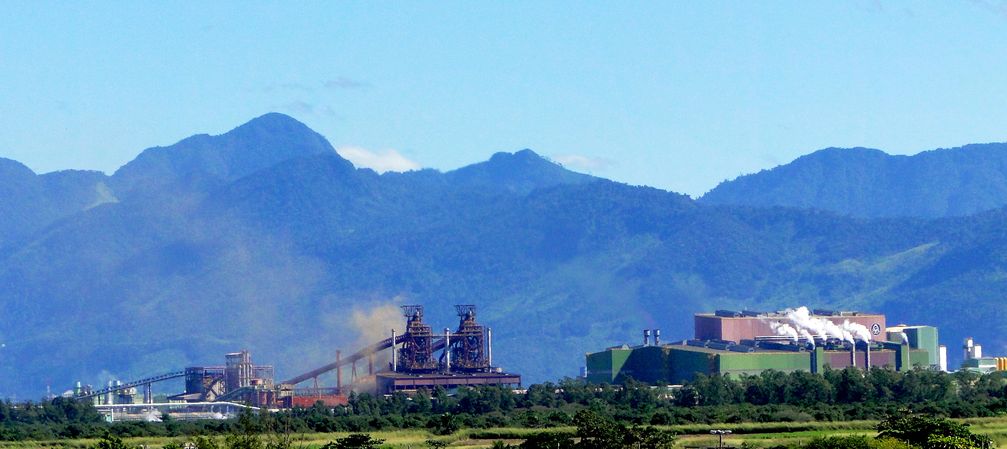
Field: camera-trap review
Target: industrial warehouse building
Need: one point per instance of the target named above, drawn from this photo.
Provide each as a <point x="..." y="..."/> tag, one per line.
<point x="742" y="343"/>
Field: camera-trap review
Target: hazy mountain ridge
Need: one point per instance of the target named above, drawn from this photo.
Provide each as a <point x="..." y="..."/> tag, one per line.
<point x="869" y="183"/>
<point x="29" y="202"/>
<point x="274" y="255"/>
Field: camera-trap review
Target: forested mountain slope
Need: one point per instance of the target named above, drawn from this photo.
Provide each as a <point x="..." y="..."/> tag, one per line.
<point x="290" y="253"/>
<point x="868" y="183"/>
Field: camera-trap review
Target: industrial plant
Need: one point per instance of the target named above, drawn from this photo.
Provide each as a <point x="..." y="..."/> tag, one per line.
<point x="974" y="360"/>
<point x="420" y="359"/>
<point x="748" y="342"/>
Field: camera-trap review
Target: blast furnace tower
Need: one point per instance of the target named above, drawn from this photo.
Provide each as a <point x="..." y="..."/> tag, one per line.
<point x="417" y="352"/>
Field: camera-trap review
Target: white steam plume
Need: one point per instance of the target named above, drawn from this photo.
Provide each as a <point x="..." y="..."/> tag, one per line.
<point x="784" y="329"/>
<point x="805" y="334"/>
<point x="801" y="319"/>
<point x="858" y="330"/>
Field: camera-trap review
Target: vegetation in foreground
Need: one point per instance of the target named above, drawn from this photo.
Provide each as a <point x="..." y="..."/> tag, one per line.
<point x="788" y="400"/>
<point x="596" y="432"/>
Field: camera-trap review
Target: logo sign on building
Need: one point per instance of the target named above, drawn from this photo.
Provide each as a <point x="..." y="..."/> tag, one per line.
<point x="876" y="329"/>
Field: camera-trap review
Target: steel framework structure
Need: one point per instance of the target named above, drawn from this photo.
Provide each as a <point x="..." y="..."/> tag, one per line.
<point x="417" y="353"/>
<point x="468" y="343"/>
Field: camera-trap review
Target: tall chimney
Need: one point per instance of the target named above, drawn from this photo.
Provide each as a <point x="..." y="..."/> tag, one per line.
<point x="853" y="355"/>
<point x="646" y="337"/>
<point x="447" y="350"/>
<point x="814" y="361"/>
<point x="657" y="337"/>
<point x="395" y="367"/>
<point x="489" y="347"/>
<point x="867" y="355"/>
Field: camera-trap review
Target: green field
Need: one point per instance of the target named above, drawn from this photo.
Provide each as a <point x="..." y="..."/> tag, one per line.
<point x="691" y="435"/>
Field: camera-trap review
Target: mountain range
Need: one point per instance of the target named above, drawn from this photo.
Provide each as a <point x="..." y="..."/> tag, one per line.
<point x="264" y="238"/>
<point x="868" y="183"/>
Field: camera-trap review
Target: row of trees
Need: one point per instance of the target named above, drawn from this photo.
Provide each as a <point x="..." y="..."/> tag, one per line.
<point x="768" y="397"/>
<point x="853" y="394"/>
<point x="847" y="386"/>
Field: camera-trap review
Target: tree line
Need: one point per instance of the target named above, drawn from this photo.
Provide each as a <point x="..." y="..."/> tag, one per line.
<point x="772" y="396"/>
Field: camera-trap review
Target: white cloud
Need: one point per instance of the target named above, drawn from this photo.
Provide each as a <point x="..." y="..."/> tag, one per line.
<point x="379" y="161"/>
<point x="581" y="162"/>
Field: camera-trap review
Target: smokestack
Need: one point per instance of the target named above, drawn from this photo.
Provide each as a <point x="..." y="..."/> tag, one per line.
<point x="853" y="355"/>
<point x="646" y="337"/>
<point x="395" y="367"/>
<point x="447" y="349"/>
<point x="339" y="371"/>
<point x="489" y="347"/>
<point x="657" y="337"/>
<point x="814" y="361"/>
<point x="867" y="353"/>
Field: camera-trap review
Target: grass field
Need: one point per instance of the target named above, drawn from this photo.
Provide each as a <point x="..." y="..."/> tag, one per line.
<point x="689" y="436"/>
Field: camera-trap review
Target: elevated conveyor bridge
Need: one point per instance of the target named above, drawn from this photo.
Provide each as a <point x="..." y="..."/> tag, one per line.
<point x="145" y="382"/>
<point x="364" y="353"/>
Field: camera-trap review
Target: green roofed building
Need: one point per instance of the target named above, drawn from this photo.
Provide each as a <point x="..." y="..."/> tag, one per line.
<point x="924" y="337"/>
<point x="607" y="366"/>
<point x="677" y="363"/>
<point x="759" y="349"/>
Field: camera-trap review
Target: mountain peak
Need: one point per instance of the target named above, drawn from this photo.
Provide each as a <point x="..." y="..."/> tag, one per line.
<point x="10" y="168"/>
<point x="259" y="143"/>
<point x="519" y="172"/>
<point x="525" y="154"/>
<point x="845" y="154"/>
<point x="272" y="122"/>
<point x="524" y="157"/>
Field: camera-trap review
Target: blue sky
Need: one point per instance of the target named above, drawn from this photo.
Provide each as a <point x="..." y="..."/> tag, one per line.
<point x="669" y="94"/>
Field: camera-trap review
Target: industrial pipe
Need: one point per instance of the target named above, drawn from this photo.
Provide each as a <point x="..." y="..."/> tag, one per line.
<point x="867" y="352"/>
<point x="447" y="349"/>
<point x="814" y="361"/>
<point x="394" y="366"/>
<point x="489" y="347"/>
